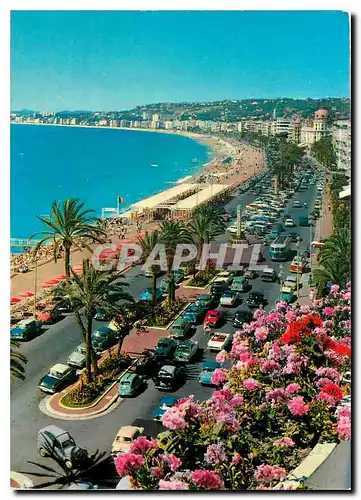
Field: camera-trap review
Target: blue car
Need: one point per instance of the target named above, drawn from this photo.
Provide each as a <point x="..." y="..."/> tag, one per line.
<point x="208" y="368"/>
<point x="194" y="313"/>
<point x="146" y="295"/>
<point x="164" y="403"/>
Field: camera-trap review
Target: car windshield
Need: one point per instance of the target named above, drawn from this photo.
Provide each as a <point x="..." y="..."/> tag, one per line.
<point x="125" y="382"/>
<point x="162" y="343"/>
<point x="209" y="370"/>
<point x="124" y="439"/>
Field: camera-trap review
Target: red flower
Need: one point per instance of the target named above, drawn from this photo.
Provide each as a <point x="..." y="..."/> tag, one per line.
<point x="341" y="349"/>
<point x="333" y="390"/>
<point x="298" y="329"/>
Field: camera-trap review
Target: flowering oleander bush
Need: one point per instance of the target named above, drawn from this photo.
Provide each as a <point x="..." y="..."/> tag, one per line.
<point x="281" y="397"/>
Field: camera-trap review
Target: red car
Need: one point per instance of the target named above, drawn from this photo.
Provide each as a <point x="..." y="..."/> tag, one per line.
<point x="212" y="318"/>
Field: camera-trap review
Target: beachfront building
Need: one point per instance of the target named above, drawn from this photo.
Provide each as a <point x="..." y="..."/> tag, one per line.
<point x="341" y="140"/>
<point x="168" y="125"/>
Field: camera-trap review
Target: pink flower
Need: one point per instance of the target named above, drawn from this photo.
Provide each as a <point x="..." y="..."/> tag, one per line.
<point x="322" y="381"/>
<point x="125" y="463"/>
<point x="292" y="388"/>
<point x="278" y="395"/>
<point x="268" y="473"/>
<point x="173" y="485"/>
<point x="172" y="461"/>
<point x="269" y="365"/>
<point x="343" y="411"/>
<point x="221" y="357"/>
<point x="344" y="428"/>
<point x="329" y="311"/>
<point x="258" y="314"/>
<point x="236" y="458"/>
<point x="347" y="296"/>
<point x="215" y="454"/>
<point x="323" y="396"/>
<point x="173" y="419"/>
<point x="334" y="289"/>
<point x="263" y="487"/>
<point x="330" y="373"/>
<point x="250" y="384"/>
<point x="290" y="316"/>
<point x="285" y="441"/>
<point x="142" y="445"/>
<point x="297" y="406"/>
<point x="219" y="376"/>
<point x="261" y="334"/>
<point x="305" y="309"/>
<point x="207" y="479"/>
<point x="281" y="305"/>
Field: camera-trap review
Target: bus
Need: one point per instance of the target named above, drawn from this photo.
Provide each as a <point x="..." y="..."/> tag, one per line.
<point x="280" y="248"/>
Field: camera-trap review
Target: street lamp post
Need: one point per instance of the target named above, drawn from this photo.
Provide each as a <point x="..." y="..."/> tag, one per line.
<point x="280" y="275"/>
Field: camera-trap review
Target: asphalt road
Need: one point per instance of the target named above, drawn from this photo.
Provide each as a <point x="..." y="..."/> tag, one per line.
<point x="55" y="345"/>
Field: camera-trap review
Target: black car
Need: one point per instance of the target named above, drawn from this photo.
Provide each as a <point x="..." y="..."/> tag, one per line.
<point x="242" y="317"/>
<point x="294" y="236"/>
<point x="255" y="299"/>
<point x="147" y="365"/>
<point x="218" y="288"/>
<point x="169" y="377"/>
<point x="104" y="338"/>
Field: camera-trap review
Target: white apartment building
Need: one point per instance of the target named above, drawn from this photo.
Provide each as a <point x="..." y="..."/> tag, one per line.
<point x="341" y="140"/>
<point x="168" y="125"/>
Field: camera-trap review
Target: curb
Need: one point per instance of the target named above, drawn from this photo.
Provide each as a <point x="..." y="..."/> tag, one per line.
<point x="23" y="481"/>
<point x="43" y="407"/>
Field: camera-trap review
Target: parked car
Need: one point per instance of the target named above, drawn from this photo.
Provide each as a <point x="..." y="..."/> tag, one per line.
<point x="297" y="265"/>
<point x="219" y="341"/>
<point x="124" y="438"/>
<point x="218" y="287"/>
<point x="209" y="301"/>
<point x="208" y="368"/>
<point x="58" y="377"/>
<point x="146" y="295"/>
<point x="240" y="284"/>
<point x="49" y="315"/>
<point x="146" y="365"/>
<point x="186" y="350"/>
<point x="130" y="384"/>
<point x="255" y="299"/>
<point x="242" y="317"/>
<point x="165" y="347"/>
<point x="101" y="315"/>
<point x="194" y="313"/>
<point x="291" y="282"/>
<point x="26" y="330"/>
<point x="103" y="338"/>
<point x="213" y="318"/>
<point x="268" y="274"/>
<point x="249" y="274"/>
<point x="77" y="358"/>
<point x="58" y="444"/>
<point x="181" y="328"/>
<point x="164" y="403"/>
<point x="288" y="294"/>
<point x="169" y="376"/>
<point x="225" y="276"/>
<point x="229" y="298"/>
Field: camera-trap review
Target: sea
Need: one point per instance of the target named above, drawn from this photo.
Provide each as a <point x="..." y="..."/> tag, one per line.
<point x="93" y="164"/>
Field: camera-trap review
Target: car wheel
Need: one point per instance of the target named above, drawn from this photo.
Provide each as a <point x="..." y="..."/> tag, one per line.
<point x="68" y="464"/>
<point x="42" y="452"/>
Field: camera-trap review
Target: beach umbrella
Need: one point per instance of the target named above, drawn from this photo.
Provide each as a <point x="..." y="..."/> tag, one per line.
<point x="53" y="281"/>
<point x="26" y="293"/>
<point x="60" y="277"/>
<point x="78" y="268"/>
<point x="47" y="285"/>
<point x="14" y="300"/>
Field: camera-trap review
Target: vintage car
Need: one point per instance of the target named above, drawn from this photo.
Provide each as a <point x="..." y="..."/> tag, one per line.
<point x="229" y="298"/>
<point x="255" y="299"/>
<point x="58" y="377"/>
<point x="165" y="347"/>
<point x="103" y="338"/>
<point x="208" y="368"/>
<point x="124" y="438"/>
<point x="169" y="376"/>
<point x="78" y="357"/>
<point x="185" y="350"/>
<point x="164" y="403"/>
<point x="219" y="341"/>
<point x="242" y="317"/>
<point x="130" y="384"/>
<point x="26" y="330"/>
<point x="58" y="444"/>
<point x="213" y="318"/>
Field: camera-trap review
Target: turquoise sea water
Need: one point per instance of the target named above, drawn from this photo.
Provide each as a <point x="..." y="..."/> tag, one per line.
<point x="96" y="165"/>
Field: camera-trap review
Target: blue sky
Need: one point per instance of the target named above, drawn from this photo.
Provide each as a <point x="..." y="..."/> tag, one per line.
<point x="113" y="60"/>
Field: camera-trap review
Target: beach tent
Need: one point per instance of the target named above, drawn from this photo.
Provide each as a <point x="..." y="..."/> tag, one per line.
<point x="26" y="293"/>
<point x="14" y="300"/>
<point x="60" y="277"/>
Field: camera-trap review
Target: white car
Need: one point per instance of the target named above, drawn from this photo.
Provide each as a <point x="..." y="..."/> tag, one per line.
<point x="124" y="438"/>
<point x="289" y="223"/>
<point x="296" y="204"/>
<point x="219" y="341"/>
<point x="78" y="357"/>
<point x="232" y="229"/>
<point x="229" y="298"/>
<point x="225" y="276"/>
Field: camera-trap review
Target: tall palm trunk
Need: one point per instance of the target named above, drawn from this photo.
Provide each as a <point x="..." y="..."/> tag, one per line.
<point x="171" y="284"/>
<point x="154" y="287"/>
<point x="67" y="260"/>
<point x="89" y="348"/>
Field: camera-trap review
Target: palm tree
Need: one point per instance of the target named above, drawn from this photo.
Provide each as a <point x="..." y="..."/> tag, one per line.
<point x="67" y="225"/>
<point x="337" y="246"/>
<point x="204" y="226"/>
<point x="337" y="271"/>
<point x="171" y="234"/>
<point x="94" y="290"/>
<point x="17" y="362"/>
<point x="148" y="242"/>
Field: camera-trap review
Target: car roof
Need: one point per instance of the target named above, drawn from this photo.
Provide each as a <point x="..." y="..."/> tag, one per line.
<point x="53" y="429"/>
<point x="59" y="367"/>
<point x="211" y="364"/>
<point x="256" y="293"/>
<point x="168" y="369"/>
<point x="268" y="270"/>
<point x="213" y="311"/>
<point x="179" y="321"/>
<point x="168" y="400"/>
<point x="128" y="377"/>
<point x="26" y="321"/>
<point x="104" y="329"/>
<point x="127" y="431"/>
